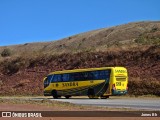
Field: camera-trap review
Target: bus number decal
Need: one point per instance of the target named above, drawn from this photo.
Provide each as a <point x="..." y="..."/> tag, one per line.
<point x="70" y="84"/>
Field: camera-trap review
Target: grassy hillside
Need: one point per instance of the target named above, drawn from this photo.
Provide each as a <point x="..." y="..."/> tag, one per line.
<point x="122" y="37"/>
<point x="135" y="46"/>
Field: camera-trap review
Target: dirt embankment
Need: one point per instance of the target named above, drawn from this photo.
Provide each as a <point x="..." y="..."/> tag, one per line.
<point x="23" y="76"/>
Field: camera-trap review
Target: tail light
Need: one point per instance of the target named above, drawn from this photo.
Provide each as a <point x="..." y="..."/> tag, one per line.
<point x="113" y="87"/>
<point x="127" y="87"/>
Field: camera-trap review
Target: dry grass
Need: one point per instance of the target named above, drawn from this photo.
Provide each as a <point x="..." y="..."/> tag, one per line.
<point x="122" y="37"/>
<point x="59" y="105"/>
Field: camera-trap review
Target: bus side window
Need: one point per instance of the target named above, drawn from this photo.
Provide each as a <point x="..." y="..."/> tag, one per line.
<point x="57" y="78"/>
<point x="107" y="73"/>
<point x="95" y="75"/>
<point x="75" y="76"/>
<point x="81" y="76"/>
<point x="53" y="76"/>
<point x="65" y="77"/>
<point x="71" y="77"/>
<point x="90" y="75"/>
<point x="49" y="78"/>
<point x="86" y="76"/>
<point x="102" y="74"/>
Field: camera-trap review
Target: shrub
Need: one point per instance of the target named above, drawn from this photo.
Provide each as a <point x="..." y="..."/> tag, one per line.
<point x="6" y="52"/>
<point x="154" y="29"/>
<point x="13" y="66"/>
<point x="144" y="87"/>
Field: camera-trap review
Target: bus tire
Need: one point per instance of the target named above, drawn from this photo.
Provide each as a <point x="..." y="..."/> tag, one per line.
<point x="91" y="93"/>
<point x="54" y="94"/>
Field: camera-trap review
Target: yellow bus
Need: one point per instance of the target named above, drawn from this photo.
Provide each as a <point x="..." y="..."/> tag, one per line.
<point x="93" y="82"/>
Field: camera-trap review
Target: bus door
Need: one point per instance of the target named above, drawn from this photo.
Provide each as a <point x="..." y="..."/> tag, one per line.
<point x="105" y="74"/>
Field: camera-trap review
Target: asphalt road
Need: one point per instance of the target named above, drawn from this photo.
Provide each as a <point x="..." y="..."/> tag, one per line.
<point x="113" y="102"/>
<point x="134" y="103"/>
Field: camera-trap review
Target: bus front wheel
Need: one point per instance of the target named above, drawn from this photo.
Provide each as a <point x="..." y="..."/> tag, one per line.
<point x="54" y="94"/>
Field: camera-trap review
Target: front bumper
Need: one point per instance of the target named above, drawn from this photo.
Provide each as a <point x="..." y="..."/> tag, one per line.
<point x="118" y="92"/>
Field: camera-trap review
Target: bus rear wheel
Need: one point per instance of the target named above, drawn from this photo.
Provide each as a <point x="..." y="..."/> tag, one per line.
<point x="54" y="94"/>
<point x="91" y="94"/>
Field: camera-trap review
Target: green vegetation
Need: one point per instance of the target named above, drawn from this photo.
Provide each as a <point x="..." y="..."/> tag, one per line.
<point x="147" y="41"/>
<point x="149" y="38"/>
<point x="154" y="29"/>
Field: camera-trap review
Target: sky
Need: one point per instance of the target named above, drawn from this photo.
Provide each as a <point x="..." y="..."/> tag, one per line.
<point x="25" y="21"/>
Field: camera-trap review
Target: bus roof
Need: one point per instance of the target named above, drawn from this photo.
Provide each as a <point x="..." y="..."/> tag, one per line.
<point x="80" y="70"/>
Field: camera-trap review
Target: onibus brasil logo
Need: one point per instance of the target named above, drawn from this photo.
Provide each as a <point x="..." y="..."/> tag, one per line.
<point x="21" y="114"/>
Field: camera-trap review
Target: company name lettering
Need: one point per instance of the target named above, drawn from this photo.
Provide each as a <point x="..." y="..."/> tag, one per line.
<point x="120" y="71"/>
<point x="70" y="84"/>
